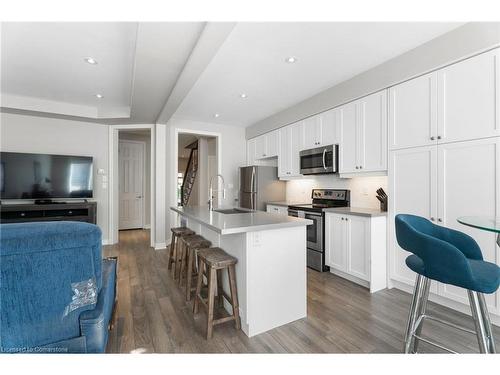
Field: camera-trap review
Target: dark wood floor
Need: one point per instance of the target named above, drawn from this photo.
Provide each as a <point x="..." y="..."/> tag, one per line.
<point x="342" y="317"/>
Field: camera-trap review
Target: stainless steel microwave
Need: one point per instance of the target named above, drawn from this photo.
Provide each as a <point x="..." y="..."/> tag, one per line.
<point x="321" y="160"/>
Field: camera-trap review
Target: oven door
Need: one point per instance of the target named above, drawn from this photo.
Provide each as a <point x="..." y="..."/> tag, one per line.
<point x="314" y="231"/>
<point x="320" y="160"/>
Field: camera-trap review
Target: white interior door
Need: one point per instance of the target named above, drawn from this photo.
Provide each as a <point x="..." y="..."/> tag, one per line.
<point x="131" y="184"/>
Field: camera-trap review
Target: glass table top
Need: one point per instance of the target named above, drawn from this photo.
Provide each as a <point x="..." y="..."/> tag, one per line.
<point x="481" y="222"/>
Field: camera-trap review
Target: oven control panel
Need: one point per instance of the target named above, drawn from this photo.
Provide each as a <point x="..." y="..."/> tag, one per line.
<point x="331" y="194"/>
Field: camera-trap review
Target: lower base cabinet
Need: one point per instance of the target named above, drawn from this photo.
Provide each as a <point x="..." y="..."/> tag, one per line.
<point x="355" y="248"/>
<point x="275" y="209"/>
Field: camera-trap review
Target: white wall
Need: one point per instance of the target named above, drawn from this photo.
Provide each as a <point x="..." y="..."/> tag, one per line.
<point x="232" y="152"/>
<point x="362" y="189"/>
<point x="123" y="134"/>
<point x="22" y="133"/>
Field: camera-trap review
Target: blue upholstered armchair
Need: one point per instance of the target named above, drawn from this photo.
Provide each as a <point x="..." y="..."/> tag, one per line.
<point x="56" y="292"/>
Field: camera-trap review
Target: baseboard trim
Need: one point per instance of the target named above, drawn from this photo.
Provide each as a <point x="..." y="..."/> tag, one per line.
<point x="106" y="242"/>
<point x="160" y="245"/>
<point x="147" y="226"/>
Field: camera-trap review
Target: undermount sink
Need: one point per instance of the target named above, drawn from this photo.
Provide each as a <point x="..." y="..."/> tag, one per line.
<point x="232" y="211"/>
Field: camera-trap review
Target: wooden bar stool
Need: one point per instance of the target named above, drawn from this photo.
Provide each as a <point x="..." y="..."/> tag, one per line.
<point x="189" y="247"/>
<point x="214" y="260"/>
<point x="174" y="244"/>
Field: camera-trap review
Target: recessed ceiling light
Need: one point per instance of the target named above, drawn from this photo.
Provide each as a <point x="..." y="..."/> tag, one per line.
<point x="99" y="96"/>
<point x="216" y="115"/>
<point x="291" y="60"/>
<point x="243" y="96"/>
<point x="91" y="60"/>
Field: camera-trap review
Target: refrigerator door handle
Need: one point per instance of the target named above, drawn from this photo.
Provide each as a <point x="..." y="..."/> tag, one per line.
<point x="252" y="181"/>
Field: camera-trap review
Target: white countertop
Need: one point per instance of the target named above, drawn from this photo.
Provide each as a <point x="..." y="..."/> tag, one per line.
<point x="239" y="223"/>
<point x="358" y="211"/>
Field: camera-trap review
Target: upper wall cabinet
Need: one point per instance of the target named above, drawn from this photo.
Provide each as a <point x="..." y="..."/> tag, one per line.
<point x="468" y="98"/>
<point x="363" y="136"/>
<point x="413" y="113"/>
<point x="321" y="130"/>
<point x="456" y="103"/>
<point x="290" y="140"/>
<point x="251" y="151"/>
<point x="266" y="145"/>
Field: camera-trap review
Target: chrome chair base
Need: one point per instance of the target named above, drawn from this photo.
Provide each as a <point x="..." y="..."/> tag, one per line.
<point x="417" y="316"/>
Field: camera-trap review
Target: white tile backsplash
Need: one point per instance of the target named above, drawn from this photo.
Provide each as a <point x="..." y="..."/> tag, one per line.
<point x="363" y="189"/>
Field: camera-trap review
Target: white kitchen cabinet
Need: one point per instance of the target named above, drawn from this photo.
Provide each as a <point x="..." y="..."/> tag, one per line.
<point x="275" y="209"/>
<point x="348" y="147"/>
<point x="372" y="133"/>
<point x="412" y="190"/>
<point x="312" y="132"/>
<point x="272" y="143"/>
<point x="468" y="98"/>
<point x="266" y="145"/>
<point x="467" y="186"/>
<point x="260" y="146"/>
<point x="442" y="183"/>
<point x="290" y="141"/>
<point x="363" y="138"/>
<point x="251" y="152"/>
<point x="455" y="103"/>
<point x="355" y="248"/>
<point x="335" y="237"/>
<point x="330" y="127"/>
<point x="321" y="130"/>
<point x="413" y="113"/>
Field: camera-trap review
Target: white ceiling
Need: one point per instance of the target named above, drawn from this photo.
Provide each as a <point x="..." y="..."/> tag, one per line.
<point x="43" y="67"/>
<point x="141" y="65"/>
<point x="252" y="61"/>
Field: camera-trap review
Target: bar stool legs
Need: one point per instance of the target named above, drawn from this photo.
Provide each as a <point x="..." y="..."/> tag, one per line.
<point x="417" y="315"/>
<point x="214" y="261"/>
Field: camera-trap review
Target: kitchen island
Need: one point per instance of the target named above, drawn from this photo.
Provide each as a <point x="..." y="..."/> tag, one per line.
<point x="271" y="268"/>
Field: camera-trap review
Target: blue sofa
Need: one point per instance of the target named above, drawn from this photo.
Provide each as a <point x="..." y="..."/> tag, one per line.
<point x="57" y="294"/>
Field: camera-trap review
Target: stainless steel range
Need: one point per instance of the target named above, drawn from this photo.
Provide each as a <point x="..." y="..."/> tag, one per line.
<point x="321" y="200"/>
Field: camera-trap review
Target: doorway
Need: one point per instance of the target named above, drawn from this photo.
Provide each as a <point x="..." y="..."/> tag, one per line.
<point x="196" y="165"/>
<point x="131" y="184"/>
<point x="132" y="180"/>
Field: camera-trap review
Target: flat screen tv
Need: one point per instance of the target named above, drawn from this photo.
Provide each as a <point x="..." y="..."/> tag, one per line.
<point x="44" y="177"/>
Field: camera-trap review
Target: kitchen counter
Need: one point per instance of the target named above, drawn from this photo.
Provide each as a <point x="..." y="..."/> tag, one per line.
<point x="239" y="223"/>
<point x="271" y="274"/>
<point x="358" y="211"/>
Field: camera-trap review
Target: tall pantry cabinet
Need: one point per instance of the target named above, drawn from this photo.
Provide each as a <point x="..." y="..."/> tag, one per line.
<point x="444" y="158"/>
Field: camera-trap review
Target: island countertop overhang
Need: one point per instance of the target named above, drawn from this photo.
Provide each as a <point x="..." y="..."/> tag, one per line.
<point x="239" y="223"/>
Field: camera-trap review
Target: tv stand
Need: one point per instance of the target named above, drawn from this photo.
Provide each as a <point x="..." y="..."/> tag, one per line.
<point x="54" y="211"/>
<point x="45" y="201"/>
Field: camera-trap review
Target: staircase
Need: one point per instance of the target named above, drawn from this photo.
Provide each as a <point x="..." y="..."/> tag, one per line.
<point x="190" y="174"/>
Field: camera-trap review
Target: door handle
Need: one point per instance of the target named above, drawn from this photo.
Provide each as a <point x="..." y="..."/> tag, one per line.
<point x="324" y="163"/>
<point x="138" y="197"/>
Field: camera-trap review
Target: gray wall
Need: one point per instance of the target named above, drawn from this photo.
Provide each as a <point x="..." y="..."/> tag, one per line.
<point x="464" y="41"/>
<point x="22" y="133"/>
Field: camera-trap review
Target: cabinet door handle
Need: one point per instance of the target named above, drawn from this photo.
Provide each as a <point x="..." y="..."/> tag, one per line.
<point x="433" y="138"/>
<point x="357" y="167"/>
<point x="432" y="219"/>
<point x="440" y="220"/>
<point x="360" y="167"/>
<point x="439" y="137"/>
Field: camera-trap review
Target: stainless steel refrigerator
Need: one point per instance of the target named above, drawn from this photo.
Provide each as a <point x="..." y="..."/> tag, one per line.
<point x="259" y="185"/>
